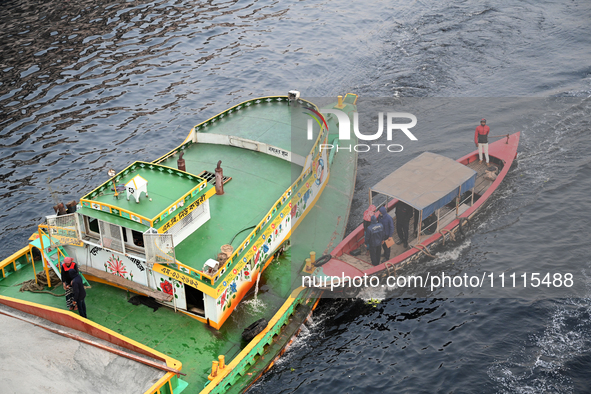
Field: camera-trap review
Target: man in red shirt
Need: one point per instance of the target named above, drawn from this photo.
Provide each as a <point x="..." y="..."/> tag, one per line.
<point x="481" y="140"/>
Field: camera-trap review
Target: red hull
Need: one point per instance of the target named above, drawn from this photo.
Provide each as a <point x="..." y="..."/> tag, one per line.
<point x="504" y="150"/>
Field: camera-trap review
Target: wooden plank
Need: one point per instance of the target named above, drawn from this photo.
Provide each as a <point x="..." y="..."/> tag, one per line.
<point x="119" y="281"/>
<point x="355" y="262"/>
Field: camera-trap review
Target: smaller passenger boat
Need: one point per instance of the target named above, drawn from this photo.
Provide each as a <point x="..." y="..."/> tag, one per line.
<point x="444" y="194"/>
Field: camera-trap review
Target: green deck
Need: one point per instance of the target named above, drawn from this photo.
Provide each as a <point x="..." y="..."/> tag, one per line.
<point x="269" y="123"/>
<point x="242" y="205"/>
<point x="258" y="180"/>
<point x="174" y="334"/>
<point x="164" y="188"/>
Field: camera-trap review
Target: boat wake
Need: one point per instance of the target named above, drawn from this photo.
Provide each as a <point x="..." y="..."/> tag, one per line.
<point x="452" y="254"/>
<point x="544" y="362"/>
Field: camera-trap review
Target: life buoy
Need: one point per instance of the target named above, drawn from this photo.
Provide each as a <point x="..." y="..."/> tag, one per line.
<point x="323" y="260"/>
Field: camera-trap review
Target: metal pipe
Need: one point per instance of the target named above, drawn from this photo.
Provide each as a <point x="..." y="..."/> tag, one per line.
<point x="43" y="258"/>
<point x="101" y="346"/>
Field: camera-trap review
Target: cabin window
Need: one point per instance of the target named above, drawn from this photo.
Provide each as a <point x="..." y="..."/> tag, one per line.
<point x="92" y="226"/>
<point x="133" y="240"/>
<point x="138" y="238"/>
<point x="111" y="236"/>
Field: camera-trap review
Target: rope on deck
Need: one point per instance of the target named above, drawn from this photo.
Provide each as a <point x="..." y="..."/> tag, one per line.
<point x="422" y="248"/>
<point x="388" y="264"/>
<point x="452" y="237"/>
<point x="39" y="287"/>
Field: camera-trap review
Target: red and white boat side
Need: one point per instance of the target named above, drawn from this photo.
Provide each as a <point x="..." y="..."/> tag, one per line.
<point x="502" y="153"/>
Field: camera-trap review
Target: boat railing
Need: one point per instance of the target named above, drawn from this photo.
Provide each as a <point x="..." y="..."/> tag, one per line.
<point x="245" y="104"/>
<point x="13" y="262"/>
<point x="280" y="203"/>
<point x="449" y="214"/>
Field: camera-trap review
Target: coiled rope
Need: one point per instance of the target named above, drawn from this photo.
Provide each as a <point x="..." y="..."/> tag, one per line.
<point x="39" y="287"/>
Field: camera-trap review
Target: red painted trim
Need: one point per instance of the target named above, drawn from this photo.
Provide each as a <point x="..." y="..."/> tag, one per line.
<point x="71" y="320"/>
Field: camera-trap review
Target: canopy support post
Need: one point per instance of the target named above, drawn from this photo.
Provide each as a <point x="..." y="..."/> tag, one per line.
<point x="458" y="201"/>
<point x="420" y="225"/>
<point x="472" y="200"/>
<point x="437" y="230"/>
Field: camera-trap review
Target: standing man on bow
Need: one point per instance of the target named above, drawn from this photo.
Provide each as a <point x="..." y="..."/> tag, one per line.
<point x="481" y="140"/>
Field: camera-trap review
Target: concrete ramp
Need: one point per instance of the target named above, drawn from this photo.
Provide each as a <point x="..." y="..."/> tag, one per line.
<point x="35" y="360"/>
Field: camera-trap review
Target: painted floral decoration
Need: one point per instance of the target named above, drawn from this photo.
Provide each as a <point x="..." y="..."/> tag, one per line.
<point x="166" y="287"/>
<point x="115" y="266"/>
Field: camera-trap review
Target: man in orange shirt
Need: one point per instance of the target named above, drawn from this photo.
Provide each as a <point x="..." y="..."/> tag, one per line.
<point x="481" y="140"/>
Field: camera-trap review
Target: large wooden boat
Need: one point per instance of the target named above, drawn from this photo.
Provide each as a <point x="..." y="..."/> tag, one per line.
<point x="445" y="195"/>
<point x="194" y="231"/>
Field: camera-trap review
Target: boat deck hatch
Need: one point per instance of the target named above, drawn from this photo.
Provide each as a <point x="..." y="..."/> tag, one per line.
<point x="210" y="177"/>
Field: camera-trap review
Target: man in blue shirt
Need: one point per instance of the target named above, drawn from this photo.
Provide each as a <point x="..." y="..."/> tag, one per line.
<point x="374" y="236"/>
<point x="388" y="223"/>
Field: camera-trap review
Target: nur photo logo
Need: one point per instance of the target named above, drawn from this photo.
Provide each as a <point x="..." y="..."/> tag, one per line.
<point x="344" y="125"/>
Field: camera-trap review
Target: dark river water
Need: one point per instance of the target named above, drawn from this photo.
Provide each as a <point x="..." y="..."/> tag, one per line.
<point x="90" y="85"/>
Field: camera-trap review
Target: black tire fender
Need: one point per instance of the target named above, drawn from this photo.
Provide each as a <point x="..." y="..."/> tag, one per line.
<point x="323" y="260"/>
<point x="254" y="329"/>
<point x="465" y="225"/>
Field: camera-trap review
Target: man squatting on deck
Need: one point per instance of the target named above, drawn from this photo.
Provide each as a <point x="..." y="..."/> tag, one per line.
<point x="481" y="139"/>
<point x="374" y="236"/>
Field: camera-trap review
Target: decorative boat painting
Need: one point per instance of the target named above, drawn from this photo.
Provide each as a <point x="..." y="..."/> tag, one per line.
<point x="194" y="231"/>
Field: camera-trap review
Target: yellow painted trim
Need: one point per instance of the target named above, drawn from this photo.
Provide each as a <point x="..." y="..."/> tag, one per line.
<point x="166" y="156"/>
<point x="114" y="207"/>
<point x="313" y="202"/>
<point x="229" y="367"/>
<point x="354" y="94"/>
<point x="214" y="292"/>
<point x="186" y="279"/>
<point x="185" y="211"/>
<point x="15" y="256"/>
<point x="151" y="221"/>
<point x="202" y="320"/>
<point x="137" y="176"/>
<point x="155" y="389"/>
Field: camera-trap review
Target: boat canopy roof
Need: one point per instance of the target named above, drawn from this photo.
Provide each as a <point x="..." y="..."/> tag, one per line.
<point x="427" y="182"/>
